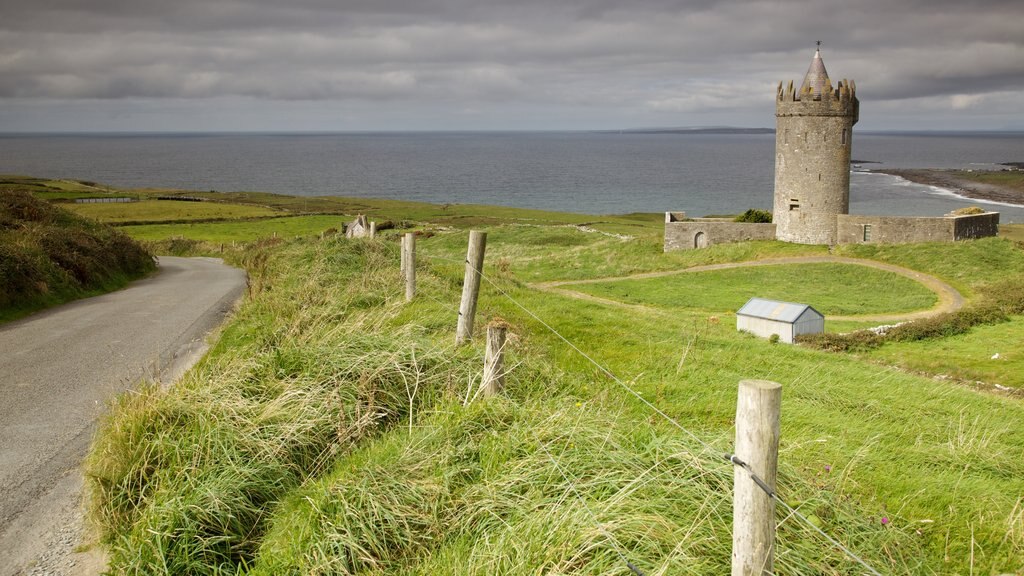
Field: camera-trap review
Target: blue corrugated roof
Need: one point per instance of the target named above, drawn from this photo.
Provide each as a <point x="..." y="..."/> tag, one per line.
<point x="774" y="310"/>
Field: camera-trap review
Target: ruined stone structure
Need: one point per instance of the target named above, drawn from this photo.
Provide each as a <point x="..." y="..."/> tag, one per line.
<point x="813" y="137"/>
<point x="358" y="228"/>
<point x="813" y="134"/>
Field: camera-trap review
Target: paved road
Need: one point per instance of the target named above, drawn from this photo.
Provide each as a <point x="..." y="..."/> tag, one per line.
<point x="58" y="370"/>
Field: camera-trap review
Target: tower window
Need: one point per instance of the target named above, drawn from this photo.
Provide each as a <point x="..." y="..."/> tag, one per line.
<point x="844" y="137"/>
<point x="819" y="176"/>
<point x="794" y="204"/>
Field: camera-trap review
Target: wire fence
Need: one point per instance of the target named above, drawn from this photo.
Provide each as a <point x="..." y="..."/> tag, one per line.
<point x="725" y="456"/>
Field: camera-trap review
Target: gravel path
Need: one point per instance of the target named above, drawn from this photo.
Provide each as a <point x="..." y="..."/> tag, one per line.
<point x="58" y="370"/>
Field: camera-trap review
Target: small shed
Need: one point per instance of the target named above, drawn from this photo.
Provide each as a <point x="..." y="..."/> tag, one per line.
<point x="766" y="317"/>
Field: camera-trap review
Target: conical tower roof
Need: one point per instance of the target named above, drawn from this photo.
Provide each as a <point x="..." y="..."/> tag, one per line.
<point x="817" y="77"/>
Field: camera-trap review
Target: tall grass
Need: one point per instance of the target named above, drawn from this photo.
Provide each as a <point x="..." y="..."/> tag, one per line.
<point x="182" y="479"/>
<point x="545" y="486"/>
<point x="329" y="432"/>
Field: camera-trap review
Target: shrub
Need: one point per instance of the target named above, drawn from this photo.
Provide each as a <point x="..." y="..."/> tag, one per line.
<point x="755" y="216"/>
<point x="948" y="324"/>
<point x="967" y="211"/>
<point x="858" y="341"/>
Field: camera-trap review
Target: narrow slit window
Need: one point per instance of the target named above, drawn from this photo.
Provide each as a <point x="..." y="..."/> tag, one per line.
<point x="867" y="232"/>
<point x="844" y="137"/>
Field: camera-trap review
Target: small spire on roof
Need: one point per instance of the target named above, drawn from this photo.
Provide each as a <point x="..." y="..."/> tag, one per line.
<point x="816" y="78"/>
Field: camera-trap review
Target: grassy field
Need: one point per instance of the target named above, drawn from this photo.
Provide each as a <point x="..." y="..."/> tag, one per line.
<point x="335" y="429"/>
<point x="1013" y="180"/>
<point x="168" y="210"/>
<point x="1013" y="232"/>
<point x="989" y="354"/>
<point x="833" y="289"/>
<point x="238" y="231"/>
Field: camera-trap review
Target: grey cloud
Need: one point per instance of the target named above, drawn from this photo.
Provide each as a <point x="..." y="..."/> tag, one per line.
<point x="660" y="57"/>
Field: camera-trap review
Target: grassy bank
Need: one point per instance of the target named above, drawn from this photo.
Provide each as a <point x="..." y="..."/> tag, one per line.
<point x="335" y="429"/>
<point x="330" y="432"/>
<point x="49" y="256"/>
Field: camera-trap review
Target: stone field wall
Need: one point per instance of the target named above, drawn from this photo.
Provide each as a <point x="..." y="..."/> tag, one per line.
<point x="901" y="230"/>
<point x="687" y="235"/>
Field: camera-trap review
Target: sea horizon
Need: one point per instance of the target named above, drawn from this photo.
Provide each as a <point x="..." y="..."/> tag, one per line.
<point x="703" y="170"/>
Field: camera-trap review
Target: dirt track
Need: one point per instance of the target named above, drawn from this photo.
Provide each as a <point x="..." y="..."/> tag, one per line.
<point x="949" y="298"/>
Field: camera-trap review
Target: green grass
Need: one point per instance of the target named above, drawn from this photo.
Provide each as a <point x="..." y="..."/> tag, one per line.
<point x="167" y="210"/>
<point x="833" y="289"/>
<point x="49" y="256"/>
<point x="1012" y="180"/>
<point x="964" y="265"/>
<point x="1014" y="232"/>
<point x="968" y="356"/>
<point x="244" y="231"/>
<point x="334" y="428"/>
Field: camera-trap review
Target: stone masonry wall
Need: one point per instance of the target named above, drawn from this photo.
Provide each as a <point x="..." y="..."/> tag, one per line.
<point x="699" y="234"/>
<point x="902" y="230"/>
<point x="812" y="176"/>
<point x="976" y="226"/>
<point x="813" y="137"/>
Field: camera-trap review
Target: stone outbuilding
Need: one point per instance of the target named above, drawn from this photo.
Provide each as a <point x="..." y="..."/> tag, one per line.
<point x="763" y="318"/>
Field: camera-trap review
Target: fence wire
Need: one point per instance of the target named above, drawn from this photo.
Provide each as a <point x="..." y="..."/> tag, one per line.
<point x="772" y="494"/>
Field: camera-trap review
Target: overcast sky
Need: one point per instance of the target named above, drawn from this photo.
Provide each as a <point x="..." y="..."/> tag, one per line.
<point x="156" y="65"/>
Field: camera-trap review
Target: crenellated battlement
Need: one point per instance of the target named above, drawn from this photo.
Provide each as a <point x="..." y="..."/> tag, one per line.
<point x="838" y="101"/>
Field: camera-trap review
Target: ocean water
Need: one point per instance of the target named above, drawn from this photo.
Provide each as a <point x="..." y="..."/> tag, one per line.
<point x="594" y="173"/>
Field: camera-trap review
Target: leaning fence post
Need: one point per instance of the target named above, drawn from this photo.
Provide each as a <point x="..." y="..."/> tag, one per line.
<point x="470" y="286"/>
<point x="494" y="359"/>
<point x="409" y="253"/>
<point x="757" y="445"/>
<point x="373" y="229"/>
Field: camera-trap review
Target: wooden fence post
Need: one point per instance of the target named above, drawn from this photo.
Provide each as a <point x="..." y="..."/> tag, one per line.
<point x="757" y="444"/>
<point x="403" y="255"/>
<point x="470" y="286"/>
<point x="494" y="359"/>
<point x="409" y="251"/>
<point x="373" y="229"/>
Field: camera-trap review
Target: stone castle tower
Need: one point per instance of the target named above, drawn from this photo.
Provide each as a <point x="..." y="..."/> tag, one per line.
<point x="814" y="130"/>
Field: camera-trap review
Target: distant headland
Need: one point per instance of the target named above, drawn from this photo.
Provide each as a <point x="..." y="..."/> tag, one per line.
<point x="690" y="130"/>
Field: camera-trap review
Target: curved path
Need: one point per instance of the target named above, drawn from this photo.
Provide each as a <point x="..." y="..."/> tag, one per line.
<point x="58" y="370"/>
<point x="949" y="298"/>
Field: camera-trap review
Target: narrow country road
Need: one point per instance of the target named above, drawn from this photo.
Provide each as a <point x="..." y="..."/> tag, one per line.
<point x="59" y="369"/>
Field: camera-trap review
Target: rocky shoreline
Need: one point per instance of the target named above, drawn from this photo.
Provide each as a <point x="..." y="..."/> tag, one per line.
<point x="956" y="182"/>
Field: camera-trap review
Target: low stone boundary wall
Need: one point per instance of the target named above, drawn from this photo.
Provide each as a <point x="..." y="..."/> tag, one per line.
<point x="853" y="229"/>
<point x="703" y="233"/>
